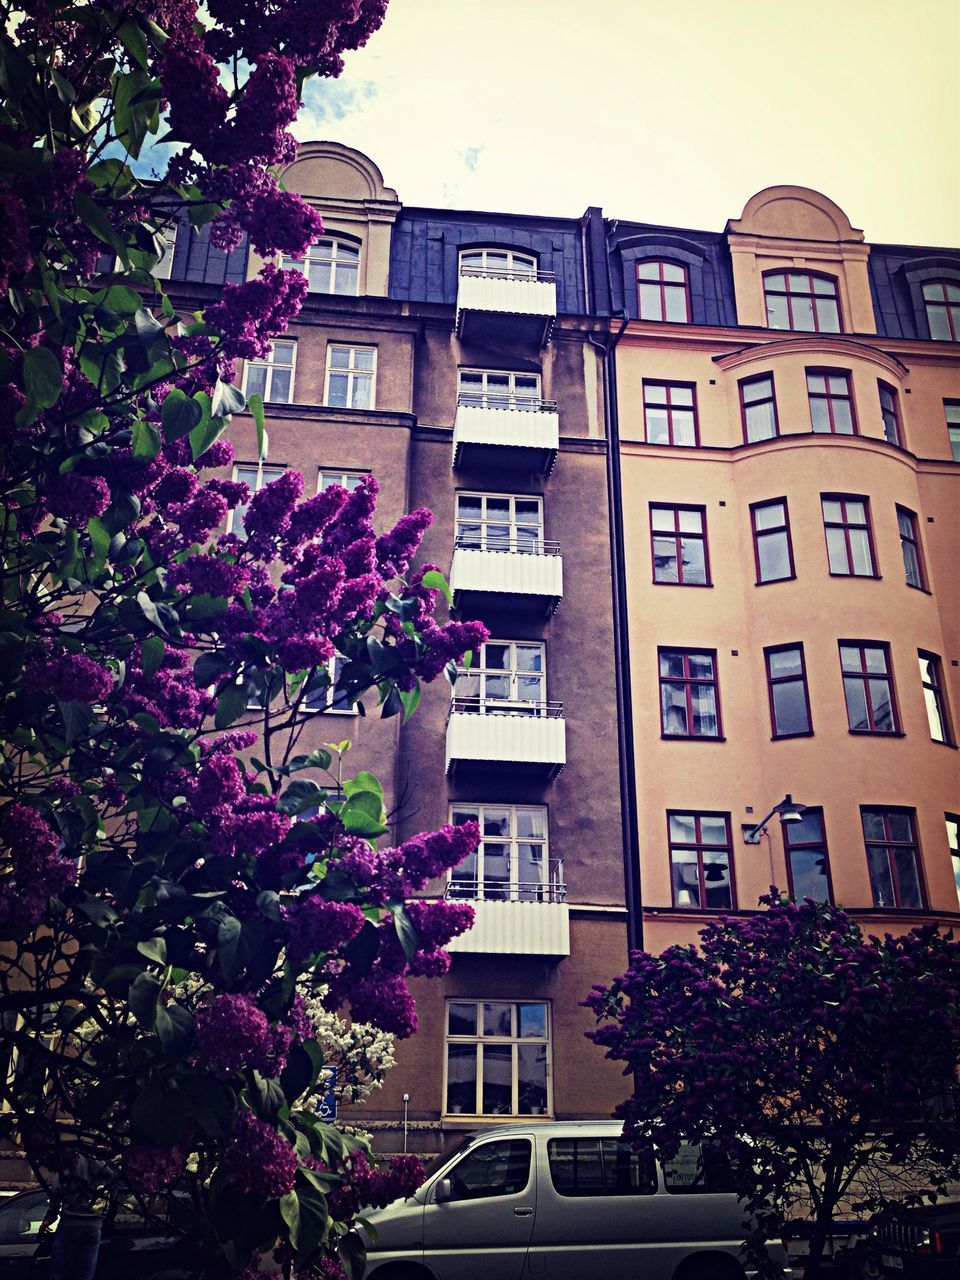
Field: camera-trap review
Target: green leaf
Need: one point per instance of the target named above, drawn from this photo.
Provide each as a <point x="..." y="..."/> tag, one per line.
<point x="255" y="405"/>
<point x="318" y="759"/>
<point x="364" y="781"/>
<point x="228" y="946"/>
<point x="300" y="795"/>
<point x="411" y="700"/>
<point x="77" y="717"/>
<point x="435" y="581"/>
<point x="362" y="815"/>
<point x="150" y="611"/>
<point x="353" y="1256"/>
<point x="392" y="703"/>
<point x="207" y="433"/>
<point x="148" y="327"/>
<point x="136" y="100"/>
<point x="406" y="932"/>
<point x="179" y="414"/>
<point x="226" y="399"/>
<point x="154" y="949"/>
<point x="231" y="704"/>
<point x="147" y="442"/>
<point x="152" y="653"/>
<point x="208" y="667"/>
<point x="99" y="223"/>
<point x="174" y="1028"/>
<point x="42" y="377"/>
<point x="290" y="1212"/>
<point x="100" y="537"/>
<point x="123" y="300"/>
<point x="142" y="999"/>
<point x="134" y="41"/>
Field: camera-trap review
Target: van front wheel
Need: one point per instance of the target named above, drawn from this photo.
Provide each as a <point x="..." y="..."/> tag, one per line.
<point x="709" y="1266"/>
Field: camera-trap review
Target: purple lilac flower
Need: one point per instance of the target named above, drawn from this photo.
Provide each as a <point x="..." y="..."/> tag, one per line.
<point x="233" y="1033"/>
<point x="258" y="1160"/>
<point x="314" y="925"/>
<point x="151" y="1169"/>
<point x="77" y="498"/>
<point x="66" y="677"/>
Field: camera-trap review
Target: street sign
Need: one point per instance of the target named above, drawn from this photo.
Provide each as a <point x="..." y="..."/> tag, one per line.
<point x="326" y="1107"/>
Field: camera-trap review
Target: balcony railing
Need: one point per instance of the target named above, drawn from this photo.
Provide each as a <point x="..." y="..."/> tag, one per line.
<point x="522" y="574"/>
<point x="507" y="433"/>
<point x="493" y="400"/>
<point x="512" y="306"/>
<point x="489" y="889"/>
<point x="514" y="924"/>
<point x="512" y="544"/>
<point x="506" y="707"/>
<point x="529" y="737"/>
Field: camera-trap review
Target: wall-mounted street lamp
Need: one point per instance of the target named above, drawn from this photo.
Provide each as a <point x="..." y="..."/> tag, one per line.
<point x="788" y="809"/>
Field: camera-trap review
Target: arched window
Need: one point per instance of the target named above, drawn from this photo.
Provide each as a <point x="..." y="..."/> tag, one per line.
<point x="497" y="262"/>
<point x="662" y="291"/>
<point x="801" y="301"/>
<point x="331" y="266"/>
<point x="941" y="298"/>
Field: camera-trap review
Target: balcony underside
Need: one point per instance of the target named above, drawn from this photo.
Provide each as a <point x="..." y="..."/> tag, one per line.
<point x="515" y="460"/>
<point x="503" y="329"/>
<point x="517" y="929"/>
<point x="506" y="309"/>
<point x="529" y="746"/>
<point x="518" y="585"/>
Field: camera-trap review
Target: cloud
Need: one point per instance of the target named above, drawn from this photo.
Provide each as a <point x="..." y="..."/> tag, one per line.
<point x="337" y="99"/>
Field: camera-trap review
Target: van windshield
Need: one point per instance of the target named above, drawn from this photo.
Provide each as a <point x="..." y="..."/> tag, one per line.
<point x="439" y="1161"/>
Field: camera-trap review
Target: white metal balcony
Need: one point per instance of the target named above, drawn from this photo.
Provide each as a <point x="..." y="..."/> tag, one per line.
<point x="507" y="433"/>
<point x="527" y="737"/>
<point x="507" y="307"/>
<point x="527" y="578"/>
<point x="519" y="919"/>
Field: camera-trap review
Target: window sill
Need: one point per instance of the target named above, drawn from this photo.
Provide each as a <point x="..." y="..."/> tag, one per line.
<point x="859" y="577"/>
<point x="785" y="737"/>
<point x="691" y="737"/>
<point x="460" y="1120"/>
<point x="937" y="743"/>
<point x="875" y="733"/>
<point x="701" y="585"/>
<point x="772" y="582"/>
<point x="916" y="587"/>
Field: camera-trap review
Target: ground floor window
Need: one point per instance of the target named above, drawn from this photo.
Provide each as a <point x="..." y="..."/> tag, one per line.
<point x="497" y="1057"/>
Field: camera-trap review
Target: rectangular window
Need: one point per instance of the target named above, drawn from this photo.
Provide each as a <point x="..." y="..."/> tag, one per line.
<point x="662" y="291"/>
<point x="498" y="1054"/>
<point x="331" y="266"/>
<point x="892" y="857"/>
<point x="701" y="860"/>
<point x="951" y="410"/>
<point x="512" y="863"/>
<point x="600" y="1167"/>
<point x="498" y="389"/>
<point x="678" y="539"/>
<point x="509" y="679"/>
<point x="325" y="696"/>
<point x="670" y="412"/>
<point x="272" y="376"/>
<point x="351" y="377"/>
<point x="256" y="477"/>
<point x="831" y="402"/>
<point x="910" y="546"/>
<point x="345" y="479"/>
<point x="500" y="522"/>
<point x="846" y="522"/>
<point x="758" y="408"/>
<point x="952" y="821"/>
<point x="931" y="678"/>
<point x="808" y="869"/>
<point x="868" y="687"/>
<point x="689" y="694"/>
<point x="166" y="241"/>
<point x="787" y="685"/>
<point x="772" y="547"/>
<point x="890" y="413"/>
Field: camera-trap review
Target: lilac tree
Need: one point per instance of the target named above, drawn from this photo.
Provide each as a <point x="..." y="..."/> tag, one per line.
<point x="821" y="1064"/>
<point x="162" y="909"/>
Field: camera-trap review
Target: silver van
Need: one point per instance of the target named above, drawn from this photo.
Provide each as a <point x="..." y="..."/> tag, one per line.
<point x="554" y="1200"/>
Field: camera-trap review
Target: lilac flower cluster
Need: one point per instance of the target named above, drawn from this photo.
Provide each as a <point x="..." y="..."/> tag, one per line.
<point x="232" y="1032"/>
<point x="66" y="677"/>
<point x="258" y="1159"/>
<point x="375" y="1187"/>
<point x="78" y="498"/>
<point x="248" y="315"/>
<point x="35" y="872"/>
<point x="150" y="1169"/>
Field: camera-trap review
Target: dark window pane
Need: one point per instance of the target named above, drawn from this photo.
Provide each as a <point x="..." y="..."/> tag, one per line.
<point x="494" y="1169"/>
<point x="790" y="708"/>
<point x="808" y="871"/>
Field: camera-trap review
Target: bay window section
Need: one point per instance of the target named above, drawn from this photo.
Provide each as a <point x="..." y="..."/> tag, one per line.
<point x="499" y="522"/>
<point x="808" y="868"/>
<point x="951" y="411"/>
<point x="846" y="523"/>
<point x="952" y="821"/>
<point x="498" y="389"/>
<point x="941" y="299"/>
<point x="787" y="686"/>
<point x="890" y="413"/>
<point x="509" y="679"/>
<point x="802" y="302"/>
<point x="831" y="403"/>
<point x="892" y="857"/>
<point x="689" y="694"/>
<point x="701" y="860"/>
<point x="512" y="863"/>
<point x="351" y="377"/>
<point x="678" y="539"/>
<point x="931" y="680"/>
<point x="772" y="547"/>
<point x="670" y="413"/>
<point x="910" y="548"/>
<point x="758" y="409"/>
<point x="497" y="1058"/>
<point x="868" y="687"/>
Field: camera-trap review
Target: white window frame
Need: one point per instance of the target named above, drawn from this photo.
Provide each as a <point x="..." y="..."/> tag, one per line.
<point x="520" y="263"/>
<point x="261" y="473"/>
<point x="164" y="268"/>
<point x="272" y="365"/>
<point x="347" y="478"/>
<point x="354" y="375"/>
<point x="513" y="704"/>
<point x="323" y="261"/>
<point x="511" y="523"/>
<point x="480" y="1041"/>
<point x="475" y="888"/>
<point x="482" y="395"/>
<point x="324" y="701"/>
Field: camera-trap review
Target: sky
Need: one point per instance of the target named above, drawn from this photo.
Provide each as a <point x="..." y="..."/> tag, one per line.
<point x="669" y="111"/>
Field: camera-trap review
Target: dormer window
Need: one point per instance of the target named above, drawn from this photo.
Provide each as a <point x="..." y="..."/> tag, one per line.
<point x="802" y="302"/>
<point x="331" y="266"/>
<point x="497" y="262"/>
<point x="663" y="291"/>
<point x="941" y="299"/>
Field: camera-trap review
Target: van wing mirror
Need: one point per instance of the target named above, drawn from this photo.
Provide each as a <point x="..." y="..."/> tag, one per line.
<point x="443" y="1192"/>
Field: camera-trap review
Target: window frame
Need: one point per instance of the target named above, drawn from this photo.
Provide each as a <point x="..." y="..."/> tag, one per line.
<point x="270" y="365"/>
<point x="890" y="413"/>
<point x="675" y="287"/>
<point x="789" y="294"/>
<point x="846" y="525"/>
<point x="512" y="705"/>
<point x="512" y="523"/>
<point x="700" y="846"/>
<point x="772" y="680"/>
<point x="745" y="406"/>
<point x="678" y="535"/>
<point x="767" y="533"/>
<point x="485" y="398"/>
<point x="510" y="272"/>
<point x="831" y="399"/>
<point x="315" y="258"/>
<point x="950" y="307"/>
<point x="353" y="375"/>
<point x="551" y="887"/>
<point x="668" y="407"/>
<point x="259" y="470"/>
<point x="479" y="1040"/>
<point x="343" y="476"/>
<point x="934" y="686"/>
<point x="951" y="405"/>
<point x="953" y="846"/>
<point x="688" y="682"/>
<point x="912" y="540"/>
<point x="865" y="675"/>
<point x="889" y="844"/>
<point x="327" y="701"/>
<point x="790" y="846"/>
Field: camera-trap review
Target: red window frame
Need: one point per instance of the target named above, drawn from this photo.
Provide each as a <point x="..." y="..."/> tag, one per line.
<point x="910" y="548"/>
<point x="832" y="400"/>
<point x="891" y="846"/>
<point x="890" y="412"/>
<point x="863" y="674"/>
<point x="746" y="405"/>
<point x="678" y="536"/>
<point x="846" y="523"/>
<point x="700" y="847"/>
<point x="690" y="683"/>
<point x="789" y="293"/>
<point x="949" y="302"/>
<point x="774" y="680"/>
<point x="793" y="844"/>
<point x="671" y="408"/>
<point x="932" y="684"/>
<point x="675" y="286"/>
<point x="772" y="531"/>
<point x="951" y="413"/>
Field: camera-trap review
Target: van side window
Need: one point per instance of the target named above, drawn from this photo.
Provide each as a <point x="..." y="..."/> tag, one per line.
<point x="495" y="1169"/>
<point x="697" y="1169"/>
<point x="600" y="1167"/>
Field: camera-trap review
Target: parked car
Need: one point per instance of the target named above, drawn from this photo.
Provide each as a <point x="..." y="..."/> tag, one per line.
<point x="920" y="1244"/>
<point x="561" y="1200"/>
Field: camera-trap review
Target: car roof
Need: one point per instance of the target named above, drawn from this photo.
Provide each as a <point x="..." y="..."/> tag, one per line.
<point x="555" y="1129"/>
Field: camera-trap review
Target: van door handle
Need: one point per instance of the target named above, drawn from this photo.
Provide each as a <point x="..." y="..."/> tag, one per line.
<point x="523" y="1211"/>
